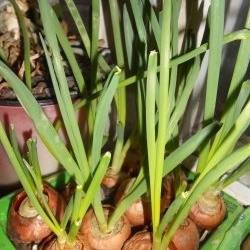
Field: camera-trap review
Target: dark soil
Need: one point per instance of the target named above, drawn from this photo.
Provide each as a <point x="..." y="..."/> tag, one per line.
<point x="42" y="87"/>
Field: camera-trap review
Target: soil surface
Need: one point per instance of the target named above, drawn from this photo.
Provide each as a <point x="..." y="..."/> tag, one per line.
<point x="42" y="87"/>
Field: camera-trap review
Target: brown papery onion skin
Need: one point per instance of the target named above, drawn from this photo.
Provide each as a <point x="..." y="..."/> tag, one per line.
<point x="132" y="162"/>
<point x="139" y="212"/>
<point x="168" y="190"/>
<point x="68" y="191"/>
<point x="95" y="239"/>
<point x="113" y="179"/>
<point x="52" y="243"/>
<point x="209" y="211"/>
<point x="110" y="182"/>
<point x="26" y="230"/>
<point x="186" y="237"/>
<point x="140" y="241"/>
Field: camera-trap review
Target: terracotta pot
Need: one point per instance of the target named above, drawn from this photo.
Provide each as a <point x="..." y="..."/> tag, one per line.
<point x="27" y="227"/>
<point x="96" y="240"/>
<point x="13" y="113"/>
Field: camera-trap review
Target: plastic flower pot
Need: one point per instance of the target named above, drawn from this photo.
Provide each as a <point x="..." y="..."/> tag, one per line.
<point x="13" y="113"/>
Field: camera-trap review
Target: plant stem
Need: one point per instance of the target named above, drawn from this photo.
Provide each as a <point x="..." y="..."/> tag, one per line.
<point x="26" y="42"/>
<point x="243" y="34"/>
<point x="150" y="131"/>
<point x="240" y="171"/>
<point x="120" y="96"/>
<point x="76" y="203"/>
<point x="163" y="105"/>
<point x="63" y="40"/>
<point x="28" y="188"/>
<point x="215" y="51"/>
<point x="239" y="72"/>
<point x="83" y="33"/>
<point x="74" y="228"/>
<point x="87" y="199"/>
<point x="95" y="22"/>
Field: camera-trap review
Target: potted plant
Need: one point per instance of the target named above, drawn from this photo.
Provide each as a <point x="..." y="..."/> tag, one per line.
<point x="20" y="28"/>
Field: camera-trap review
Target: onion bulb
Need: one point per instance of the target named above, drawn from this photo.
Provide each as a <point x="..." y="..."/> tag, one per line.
<point x="140" y="241"/>
<point x="25" y="225"/>
<point x="139" y="212"/>
<point x="186" y="237"/>
<point x="95" y="239"/>
<point x="209" y="211"/>
<point x="53" y="243"/>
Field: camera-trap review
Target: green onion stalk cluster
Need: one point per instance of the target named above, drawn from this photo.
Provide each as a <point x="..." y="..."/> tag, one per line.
<point x="217" y="155"/>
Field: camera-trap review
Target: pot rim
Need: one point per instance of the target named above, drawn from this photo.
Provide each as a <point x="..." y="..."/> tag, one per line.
<point x="42" y="102"/>
<point x="16" y="103"/>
